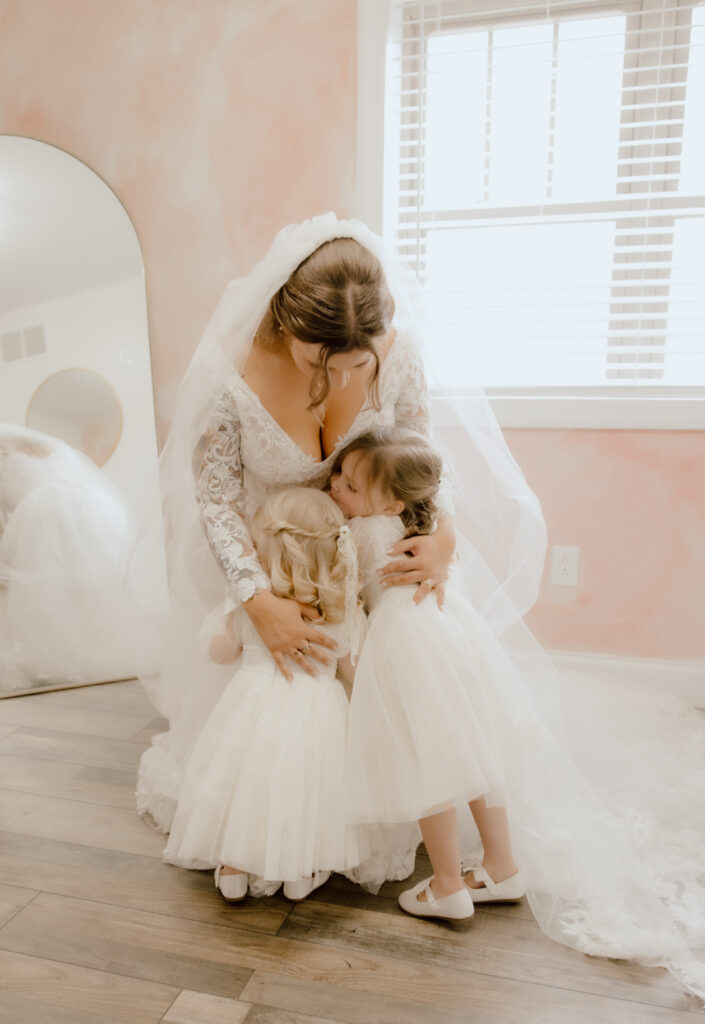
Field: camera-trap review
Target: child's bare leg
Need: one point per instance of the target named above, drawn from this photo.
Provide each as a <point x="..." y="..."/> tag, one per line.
<point x="493" y="826"/>
<point x="227" y="870"/>
<point x="440" y="836"/>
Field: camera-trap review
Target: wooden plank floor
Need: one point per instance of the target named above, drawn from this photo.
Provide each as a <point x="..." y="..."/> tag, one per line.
<point x="94" y="927"/>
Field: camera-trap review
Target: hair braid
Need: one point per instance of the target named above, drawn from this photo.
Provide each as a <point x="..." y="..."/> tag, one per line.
<point x="297" y="535"/>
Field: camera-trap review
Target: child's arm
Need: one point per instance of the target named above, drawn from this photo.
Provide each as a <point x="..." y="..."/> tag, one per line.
<point x="346" y="671"/>
<point x="356" y="636"/>
<point x="219" y="639"/>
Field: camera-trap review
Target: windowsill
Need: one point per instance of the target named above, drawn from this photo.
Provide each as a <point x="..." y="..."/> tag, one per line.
<point x="598" y="408"/>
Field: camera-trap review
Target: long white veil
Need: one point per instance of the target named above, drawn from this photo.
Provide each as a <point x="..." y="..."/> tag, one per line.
<point x="612" y="842"/>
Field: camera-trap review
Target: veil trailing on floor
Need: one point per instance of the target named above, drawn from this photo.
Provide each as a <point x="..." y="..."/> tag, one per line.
<point x="605" y="786"/>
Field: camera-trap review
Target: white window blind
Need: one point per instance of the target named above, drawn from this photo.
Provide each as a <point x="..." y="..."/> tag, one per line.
<point x="545" y="178"/>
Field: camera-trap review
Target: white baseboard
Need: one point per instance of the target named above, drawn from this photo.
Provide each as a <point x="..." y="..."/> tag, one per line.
<point x="683" y="678"/>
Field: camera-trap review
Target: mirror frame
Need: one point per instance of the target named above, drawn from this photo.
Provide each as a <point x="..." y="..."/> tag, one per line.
<point x="33" y="691"/>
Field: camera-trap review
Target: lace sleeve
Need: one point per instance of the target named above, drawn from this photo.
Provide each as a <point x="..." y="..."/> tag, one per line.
<point x="413" y="411"/>
<point x="217" y="469"/>
<point x="412" y="407"/>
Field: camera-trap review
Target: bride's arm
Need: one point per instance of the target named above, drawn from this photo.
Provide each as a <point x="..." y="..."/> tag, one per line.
<point x="412" y="409"/>
<point x="431" y="555"/>
<point x="217" y="470"/>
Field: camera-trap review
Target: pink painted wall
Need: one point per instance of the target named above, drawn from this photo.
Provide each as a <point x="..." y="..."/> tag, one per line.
<point x="634" y="502"/>
<point x="218" y="122"/>
<point x="215" y="123"/>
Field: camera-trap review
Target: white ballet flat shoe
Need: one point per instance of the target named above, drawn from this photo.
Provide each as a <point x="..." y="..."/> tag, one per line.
<point x="232" y="887"/>
<point x="456" y="907"/>
<point x="508" y="891"/>
<point x="302" y="888"/>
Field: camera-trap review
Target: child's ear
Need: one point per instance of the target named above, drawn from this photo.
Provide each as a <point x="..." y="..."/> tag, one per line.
<point x="393" y="508"/>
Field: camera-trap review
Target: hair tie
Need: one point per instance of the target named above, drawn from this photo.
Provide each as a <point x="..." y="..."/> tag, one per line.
<point x="282" y="526"/>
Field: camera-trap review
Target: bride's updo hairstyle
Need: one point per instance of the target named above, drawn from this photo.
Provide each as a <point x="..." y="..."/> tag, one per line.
<point x="338" y="298"/>
<point x="297" y="533"/>
<point x="405" y="467"/>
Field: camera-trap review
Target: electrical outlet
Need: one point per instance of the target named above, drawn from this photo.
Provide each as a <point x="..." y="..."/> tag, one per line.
<point x="564" y="565"/>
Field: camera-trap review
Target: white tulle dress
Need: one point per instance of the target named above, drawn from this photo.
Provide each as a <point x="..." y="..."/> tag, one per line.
<point x="603" y="788"/>
<point x="262" y="788"/>
<point x="68" y="610"/>
<point x="247" y="456"/>
<point x="420" y="732"/>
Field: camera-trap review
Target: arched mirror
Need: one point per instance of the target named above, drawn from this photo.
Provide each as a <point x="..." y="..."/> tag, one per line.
<point x="78" y="445"/>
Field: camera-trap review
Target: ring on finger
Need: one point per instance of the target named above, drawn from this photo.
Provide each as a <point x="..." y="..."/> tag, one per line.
<point x="305" y="647"/>
<point x="429" y="583"/>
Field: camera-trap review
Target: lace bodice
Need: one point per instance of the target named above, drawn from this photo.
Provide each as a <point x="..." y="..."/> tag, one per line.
<point x="244" y="455"/>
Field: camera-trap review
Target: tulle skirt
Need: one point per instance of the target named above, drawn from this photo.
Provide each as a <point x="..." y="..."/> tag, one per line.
<point x="67" y="613"/>
<point x="604" y="791"/>
<point x="420" y="733"/>
<point x="262" y="788"/>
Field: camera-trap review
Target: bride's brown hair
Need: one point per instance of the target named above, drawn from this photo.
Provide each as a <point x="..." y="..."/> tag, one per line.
<point x="337" y="297"/>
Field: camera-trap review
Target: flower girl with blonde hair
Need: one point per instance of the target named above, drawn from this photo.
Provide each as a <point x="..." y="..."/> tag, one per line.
<point x="261" y="795"/>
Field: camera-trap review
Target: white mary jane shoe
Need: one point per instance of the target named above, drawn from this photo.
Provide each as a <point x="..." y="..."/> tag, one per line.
<point x="302" y="888"/>
<point x="508" y="891"/>
<point x="232" y="887"/>
<point x="456" y="907"/>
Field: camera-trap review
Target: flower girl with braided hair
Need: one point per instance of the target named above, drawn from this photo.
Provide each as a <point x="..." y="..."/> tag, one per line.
<point x="261" y="795"/>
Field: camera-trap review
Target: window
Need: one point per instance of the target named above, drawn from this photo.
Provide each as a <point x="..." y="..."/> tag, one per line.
<point x="545" y="178"/>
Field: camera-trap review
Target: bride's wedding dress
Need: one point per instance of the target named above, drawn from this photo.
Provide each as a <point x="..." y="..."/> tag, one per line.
<point x="246" y="456"/>
<point x="605" y="785"/>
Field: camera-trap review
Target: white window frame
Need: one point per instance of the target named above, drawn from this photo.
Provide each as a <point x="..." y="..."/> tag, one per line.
<point x="621" y="408"/>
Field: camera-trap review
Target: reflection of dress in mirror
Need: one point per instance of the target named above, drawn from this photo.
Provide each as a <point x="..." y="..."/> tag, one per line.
<point x="65" y="613"/>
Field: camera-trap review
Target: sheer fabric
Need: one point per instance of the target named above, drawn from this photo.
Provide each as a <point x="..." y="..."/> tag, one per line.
<point x="419" y="733"/>
<point x="604" y="787"/>
<point x="262" y="788"/>
<point x="70" y="610"/>
<point x="244" y="454"/>
<point x="221" y="460"/>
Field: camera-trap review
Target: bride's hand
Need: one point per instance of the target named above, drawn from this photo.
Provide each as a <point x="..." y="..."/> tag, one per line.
<point x="431" y="555"/>
<point x="284" y="628"/>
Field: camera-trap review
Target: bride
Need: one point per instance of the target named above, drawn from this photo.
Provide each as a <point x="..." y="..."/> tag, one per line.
<point x="321" y="341"/>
